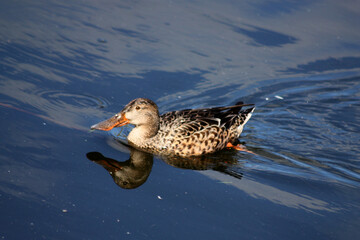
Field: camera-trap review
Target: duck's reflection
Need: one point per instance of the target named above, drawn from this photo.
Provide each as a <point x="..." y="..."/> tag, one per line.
<point x="129" y="174"/>
<point x="135" y="171"/>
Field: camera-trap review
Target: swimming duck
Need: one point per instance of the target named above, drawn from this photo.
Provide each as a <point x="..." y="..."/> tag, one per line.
<point x="189" y="132"/>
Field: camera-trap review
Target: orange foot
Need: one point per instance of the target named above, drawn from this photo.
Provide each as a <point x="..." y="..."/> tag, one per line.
<point x="239" y="147"/>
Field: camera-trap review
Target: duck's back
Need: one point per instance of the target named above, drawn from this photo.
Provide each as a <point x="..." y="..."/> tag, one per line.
<point x="200" y="131"/>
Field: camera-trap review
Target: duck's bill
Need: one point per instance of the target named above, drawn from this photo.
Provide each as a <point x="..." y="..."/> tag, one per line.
<point x="115" y="121"/>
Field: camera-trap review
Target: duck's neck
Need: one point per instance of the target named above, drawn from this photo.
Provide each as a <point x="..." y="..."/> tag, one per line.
<point x="141" y="134"/>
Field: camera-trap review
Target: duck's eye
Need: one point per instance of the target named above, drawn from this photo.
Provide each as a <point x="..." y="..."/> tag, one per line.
<point x="137" y="107"/>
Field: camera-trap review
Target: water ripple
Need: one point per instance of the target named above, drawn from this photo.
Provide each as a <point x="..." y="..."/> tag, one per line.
<point x="58" y="98"/>
<point x="63" y="108"/>
<point x="314" y="126"/>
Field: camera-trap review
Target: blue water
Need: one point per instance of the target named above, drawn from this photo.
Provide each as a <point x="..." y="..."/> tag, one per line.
<point x="65" y="66"/>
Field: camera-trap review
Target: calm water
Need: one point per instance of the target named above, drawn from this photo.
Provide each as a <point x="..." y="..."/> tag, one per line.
<point x="66" y="66"/>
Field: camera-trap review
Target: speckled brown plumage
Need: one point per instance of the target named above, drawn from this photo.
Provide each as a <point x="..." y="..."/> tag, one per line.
<point x="183" y="133"/>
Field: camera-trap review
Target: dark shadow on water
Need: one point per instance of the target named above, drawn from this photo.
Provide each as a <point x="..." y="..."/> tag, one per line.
<point x="329" y="64"/>
<point x="134" y="34"/>
<point x="259" y="35"/>
<point x="134" y="172"/>
<point x="265" y="37"/>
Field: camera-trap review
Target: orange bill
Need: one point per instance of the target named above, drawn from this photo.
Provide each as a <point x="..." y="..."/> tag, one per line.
<point x="115" y="121"/>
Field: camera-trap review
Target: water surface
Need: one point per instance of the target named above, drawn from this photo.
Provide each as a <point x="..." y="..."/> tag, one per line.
<point x="66" y="66"/>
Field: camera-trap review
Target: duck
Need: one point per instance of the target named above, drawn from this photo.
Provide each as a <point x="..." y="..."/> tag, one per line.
<point x="184" y="133"/>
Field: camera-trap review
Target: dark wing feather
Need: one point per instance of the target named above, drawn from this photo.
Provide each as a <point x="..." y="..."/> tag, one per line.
<point x="187" y="122"/>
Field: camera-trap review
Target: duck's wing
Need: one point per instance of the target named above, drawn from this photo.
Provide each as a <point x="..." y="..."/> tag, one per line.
<point x="189" y="121"/>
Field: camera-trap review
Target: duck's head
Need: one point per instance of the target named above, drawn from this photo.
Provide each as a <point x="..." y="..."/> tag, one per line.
<point x="140" y="111"/>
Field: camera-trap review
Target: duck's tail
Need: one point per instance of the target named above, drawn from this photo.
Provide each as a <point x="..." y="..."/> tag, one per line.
<point x="244" y="117"/>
